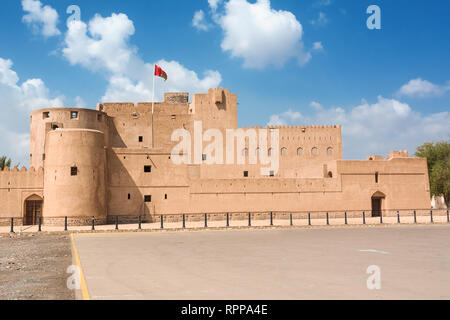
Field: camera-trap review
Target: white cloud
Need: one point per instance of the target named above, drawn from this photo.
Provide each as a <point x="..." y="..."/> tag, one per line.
<point x="102" y="45"/>
<point x="419" y="88"/>
<point x="106" y="45"/>
<point x="79" y="102"/>
<point x="321" y="20"/>
<point x="198" y="21"/>
<point x="43" y="20"/>
<point x="317" y="46"/>
<point x="17" y="101"/>
<point x="316" y="105"/>
<point x="322" y="3"/>
<point x="260" y="35"/>
<point x="377" y="128"/>
<point x="288" y="117"/>
<point x="213" y="4"/>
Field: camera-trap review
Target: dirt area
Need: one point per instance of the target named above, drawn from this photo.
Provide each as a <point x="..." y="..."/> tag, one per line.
<point x="33" y="267"/>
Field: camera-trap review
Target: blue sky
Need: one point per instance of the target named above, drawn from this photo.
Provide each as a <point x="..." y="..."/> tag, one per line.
<point x="290" y="62"/>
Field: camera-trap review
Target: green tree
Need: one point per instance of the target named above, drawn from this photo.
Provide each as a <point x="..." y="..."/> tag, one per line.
<point x="4" y="162"/>
<point x="438" y="158"/>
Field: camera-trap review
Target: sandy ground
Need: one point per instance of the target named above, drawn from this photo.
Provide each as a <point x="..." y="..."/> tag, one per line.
<point x="33" y="267"/>
<point x="318" y="263"/>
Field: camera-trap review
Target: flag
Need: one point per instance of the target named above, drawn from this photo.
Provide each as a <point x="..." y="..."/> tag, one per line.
<point x="160" y="72"/>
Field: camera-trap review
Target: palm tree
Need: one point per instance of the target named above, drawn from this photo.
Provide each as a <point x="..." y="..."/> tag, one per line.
<point x="4" y="162"/>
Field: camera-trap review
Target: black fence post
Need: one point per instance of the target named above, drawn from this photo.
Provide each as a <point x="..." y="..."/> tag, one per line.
<point x="291" y="222"/>
<point x="40" y="222"/>
<point x="249" y="219"/>
<point x="228" y="219"/>
<point x="12" y="225"/>
<point x="93" y="223"/>
<point x="381" y="217"/>
<point x="448" y="218"/>
<point x="206" y="220"/>
<point x="309" y="218"/>
<point x="345" y="215"/>
<point x="364" y="217"/>
<point x="415" y="217"/>
<point x="65" y="223"/>
<point x="328" y="220"/>
<point x="139" y="223"/>
<point x="431" y="216"/>
<point x="184" y="221"/>
<point x="398" y="216"/>
<point x="162" y="222"/>
<point x="271" y="218"/>
<point x="117" y="222"/>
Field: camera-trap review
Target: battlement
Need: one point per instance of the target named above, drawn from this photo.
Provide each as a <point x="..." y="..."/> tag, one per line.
<point x="15" y="178"/>
<point x="22" y="170"/>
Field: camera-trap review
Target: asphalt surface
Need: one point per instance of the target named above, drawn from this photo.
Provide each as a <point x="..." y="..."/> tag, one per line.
<point x="323" y="263"/>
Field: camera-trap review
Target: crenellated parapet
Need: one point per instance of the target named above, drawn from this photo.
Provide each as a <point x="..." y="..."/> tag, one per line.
<point x="21" y="178"/>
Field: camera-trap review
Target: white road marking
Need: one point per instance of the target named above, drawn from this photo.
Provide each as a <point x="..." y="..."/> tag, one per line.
<point x="374" y="251"/>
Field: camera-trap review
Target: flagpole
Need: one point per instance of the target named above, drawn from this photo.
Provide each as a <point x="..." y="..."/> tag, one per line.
<point x="153" y="107"/>
<point x="153" y="100"/>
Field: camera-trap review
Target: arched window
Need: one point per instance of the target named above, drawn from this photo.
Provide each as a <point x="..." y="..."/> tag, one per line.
<point x="330" y="174"/>
<point x="299" y="151"/>
<point x="314" y="151"/>
<point x="330" y="151"/>
<point x="284" y="152"/>
<point x="269" y="152"/>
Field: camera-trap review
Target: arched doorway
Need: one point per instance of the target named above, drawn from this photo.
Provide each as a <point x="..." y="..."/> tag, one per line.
<point x="33" y="210"/>
<point x="377" y="203"/>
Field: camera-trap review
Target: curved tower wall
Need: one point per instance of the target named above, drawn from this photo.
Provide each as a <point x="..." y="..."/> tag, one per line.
<point x="45" y="120"/>
<point x="82" y="196"/>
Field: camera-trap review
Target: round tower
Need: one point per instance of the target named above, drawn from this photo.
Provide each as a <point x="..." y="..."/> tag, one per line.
<point x="74" y="176"/>
<point x="44" y="120"/>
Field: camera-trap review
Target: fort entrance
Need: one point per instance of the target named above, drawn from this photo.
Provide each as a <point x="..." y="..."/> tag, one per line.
<point x="377" y="199"/>
<point x="33" y="210"/>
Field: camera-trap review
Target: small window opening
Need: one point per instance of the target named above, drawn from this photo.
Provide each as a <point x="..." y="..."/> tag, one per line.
<point x="272" y="174"/>
<point x="376" y="177"/>
<point x="73" y="171"/>
<point x="245" y="173"/>
<point x="54" y="127"/>
<point x="73" y="114"/>
<point x="129" y="196"/>
<point x="43" y="156"/>
<point x="330" y="174"/>
<point x="141" y="138"/>
<point x="165" y="196"/>
<point x="147" y="168"/>
<point x="45" y="115"/>
<point x="99" y="118"/>
<point x="204" y="157"/>
<point x="173" y="117"/>
<point x="147" y="198"/>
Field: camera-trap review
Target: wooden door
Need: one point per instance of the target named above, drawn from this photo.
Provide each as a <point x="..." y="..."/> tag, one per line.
<point x="33" y="210"/>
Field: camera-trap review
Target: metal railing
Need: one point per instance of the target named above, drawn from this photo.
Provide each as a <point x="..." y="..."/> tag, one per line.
<point x="248" y="219"/>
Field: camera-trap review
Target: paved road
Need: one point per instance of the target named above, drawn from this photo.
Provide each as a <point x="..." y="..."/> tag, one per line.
<point x="323" y="263"/>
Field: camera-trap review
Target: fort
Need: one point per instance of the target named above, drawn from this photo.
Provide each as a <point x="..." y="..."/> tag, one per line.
<point x="116" y="161"/>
